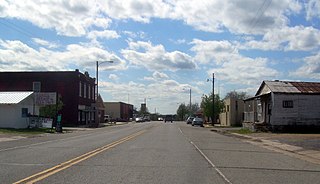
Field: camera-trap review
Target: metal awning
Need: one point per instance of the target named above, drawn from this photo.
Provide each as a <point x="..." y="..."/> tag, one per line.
<point x="13" y="97"/>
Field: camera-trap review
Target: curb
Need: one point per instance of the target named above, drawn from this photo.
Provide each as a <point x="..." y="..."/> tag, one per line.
<point x="291" y="150"/>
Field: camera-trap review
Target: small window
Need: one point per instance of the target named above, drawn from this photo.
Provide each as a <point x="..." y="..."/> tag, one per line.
<point x="24" y="112"/>
<point x="227" y="108"/>
<point x="92" y="94"/>
<point x="36" y="86"/>
<point x="84" y="90"/>
<point x="80" y="89"/>
<point x="89" y="91"/>
<point x="287" y="104"/>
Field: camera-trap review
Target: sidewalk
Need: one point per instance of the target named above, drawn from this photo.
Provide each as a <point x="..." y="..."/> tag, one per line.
<point x="303" y="146"/>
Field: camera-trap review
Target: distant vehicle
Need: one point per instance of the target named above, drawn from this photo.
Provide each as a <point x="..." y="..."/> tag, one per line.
<point x="197" y="121"/>
<point x="107" y="118"/>
<point x="139" y="119"/>
<point x="189" y="120"/>
<point x="160" y="119"/>
<point x="146" y="118"/>
<point x="168" y="118"/>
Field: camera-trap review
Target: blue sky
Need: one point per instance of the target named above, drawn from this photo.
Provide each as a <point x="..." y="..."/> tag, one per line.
<point x="161" y="49"/>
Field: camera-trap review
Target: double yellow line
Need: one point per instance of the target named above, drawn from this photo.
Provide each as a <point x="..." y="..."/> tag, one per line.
<point x="46" y="173"/>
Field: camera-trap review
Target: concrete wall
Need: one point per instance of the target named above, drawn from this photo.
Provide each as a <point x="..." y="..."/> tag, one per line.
<point x="11" y="114"/>
<point x="305" y="111"/>
<point x="233" y="112"/>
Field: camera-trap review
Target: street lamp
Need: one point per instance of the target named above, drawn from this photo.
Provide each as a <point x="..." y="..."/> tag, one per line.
<point x="190" y="98"/>
<point x="97" y="90"/>
<point x="213" y="120"/>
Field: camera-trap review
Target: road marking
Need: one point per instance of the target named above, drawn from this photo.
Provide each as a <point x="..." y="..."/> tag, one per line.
<point x="53" y="170"/>
<point x="208" y="160"/>
<point x="40" y="143"/>
<point x="214" y="166"/>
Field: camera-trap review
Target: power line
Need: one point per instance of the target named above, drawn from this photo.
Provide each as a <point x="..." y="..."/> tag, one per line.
<point x="261" y="10"/>
<point x="17" y="28"/>
<point x="264" y="6"/>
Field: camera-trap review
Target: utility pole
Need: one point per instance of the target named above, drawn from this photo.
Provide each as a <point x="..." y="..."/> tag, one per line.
<point x="213" y="119"/>
<point x="97" y="118"/>
<point x="190" y="101"/>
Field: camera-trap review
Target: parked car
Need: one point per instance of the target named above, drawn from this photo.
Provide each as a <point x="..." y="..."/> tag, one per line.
<point x="168" y="118"/>
<point x="197" y="121"/>
<point x="146" y="118"/>
<point x="189" y="120"/>
<point x="139" y="119"/>
<point x="107" y="118"/>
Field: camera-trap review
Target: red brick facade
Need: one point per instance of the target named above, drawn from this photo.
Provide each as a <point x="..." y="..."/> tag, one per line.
<point x="76" y="89"/>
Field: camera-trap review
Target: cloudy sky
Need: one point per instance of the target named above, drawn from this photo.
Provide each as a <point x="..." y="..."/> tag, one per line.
<point x="163" y="48"/>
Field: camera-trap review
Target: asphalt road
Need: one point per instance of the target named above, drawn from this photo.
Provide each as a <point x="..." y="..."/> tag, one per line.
<point x="154" y="152"/>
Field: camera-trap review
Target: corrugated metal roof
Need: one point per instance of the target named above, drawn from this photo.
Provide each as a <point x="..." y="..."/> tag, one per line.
<point x="281" y="86"/>
<point x="307" y="87"/>
<point x="293" y="87"/>
<point x="13" y="97"/>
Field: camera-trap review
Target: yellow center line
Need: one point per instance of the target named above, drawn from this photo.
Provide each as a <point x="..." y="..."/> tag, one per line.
<point x="62" y="166"/>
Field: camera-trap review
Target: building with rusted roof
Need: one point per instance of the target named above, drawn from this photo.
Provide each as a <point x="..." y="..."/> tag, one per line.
<point x="280" y="104"/>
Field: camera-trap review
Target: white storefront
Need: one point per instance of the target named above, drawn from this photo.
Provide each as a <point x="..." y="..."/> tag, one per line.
<point x="15" y="108"/>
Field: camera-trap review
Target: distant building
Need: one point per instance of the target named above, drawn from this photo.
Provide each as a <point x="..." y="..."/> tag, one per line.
<point x="232" y="114"/>
<point x="280" y="104"/>
<point x="118" y="111"/>
<point x="76" y="89"/>
<point x="15" y="108"/>
<point x="101" y="109"/>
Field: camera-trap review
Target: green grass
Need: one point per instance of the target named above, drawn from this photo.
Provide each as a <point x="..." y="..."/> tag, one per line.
<point x="31" y="131"/>
<point x="242" y="131"/>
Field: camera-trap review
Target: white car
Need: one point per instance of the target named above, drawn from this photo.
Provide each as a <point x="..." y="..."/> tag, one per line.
<point x="139" y="119"/>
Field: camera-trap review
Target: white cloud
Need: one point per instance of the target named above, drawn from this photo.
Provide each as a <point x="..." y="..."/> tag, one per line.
<point x="139" y="34"/>
<point x="229" y="65"/>
<point x="113" y="77"/>
<point x="138" y="10"/>
<point x="243" y="16"/>
<point x="156" y="57"/>
<point x="159" y="75"/>
<point x="76" y="17"/>
<point x="69" y="18"/>
<point x="296" y="38"/>
<point x="45" y="43"/>
<point x="163" y="95"/>
<point x="313" y="9"/>
<point x="15" y="55"/>
<point x="245" y="71"/>
<point x="107" y="34"/>
<point x="310" y="69"/>
<point x="179" y="41"/>
<point x="218" y="51"/>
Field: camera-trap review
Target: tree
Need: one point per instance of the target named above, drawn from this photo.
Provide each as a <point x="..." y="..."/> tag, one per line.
<point x="143" y="111"/>
<point x="194" y="108"/>
<point x="182" y="111"/>
<point x="207" y="105"/>
<point x="237" y="95"/>
<point x="51" y="110"/>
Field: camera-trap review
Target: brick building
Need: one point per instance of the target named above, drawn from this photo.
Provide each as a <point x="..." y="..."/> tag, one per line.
<point x="119" y="111"/>
<point x="76" y="89"/>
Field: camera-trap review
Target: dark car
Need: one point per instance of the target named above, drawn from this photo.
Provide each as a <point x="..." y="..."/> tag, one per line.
<point x="197" y="121"/>
<point x="168" y="118"/>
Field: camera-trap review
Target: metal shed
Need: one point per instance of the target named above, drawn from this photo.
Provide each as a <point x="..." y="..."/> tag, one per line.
<point x="284" y="103"/>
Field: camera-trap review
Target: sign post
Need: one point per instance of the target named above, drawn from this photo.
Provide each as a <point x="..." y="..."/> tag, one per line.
<point x="58" y="125"/>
